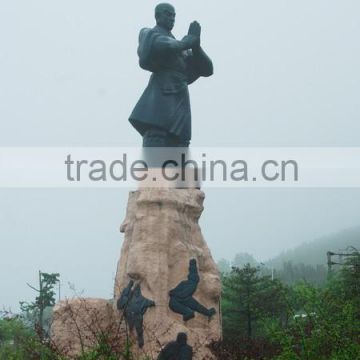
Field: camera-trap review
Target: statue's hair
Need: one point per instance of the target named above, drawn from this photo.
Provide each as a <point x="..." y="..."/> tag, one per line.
<point x="160" y="8"/>
<point x="181" y="338"/>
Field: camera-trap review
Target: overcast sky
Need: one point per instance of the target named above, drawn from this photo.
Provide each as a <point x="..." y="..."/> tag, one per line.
<point x="286" y="74"/>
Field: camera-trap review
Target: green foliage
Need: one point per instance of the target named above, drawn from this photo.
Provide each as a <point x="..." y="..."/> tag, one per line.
<point x="21" y="336"/>
<point x="350" y="278"/>
<point x="102" y="350"/>
<point x="46" y="298"/>
<point x="291" y="273"/>
<point x="326" y="329"/>
<point x="249" y="298"/>
<point x="301" y="322"/>
<point x="21" y="339"/>
<point x="329" y="326"/>
<point x="46" y="292"/>
<point x="19" y="342"/>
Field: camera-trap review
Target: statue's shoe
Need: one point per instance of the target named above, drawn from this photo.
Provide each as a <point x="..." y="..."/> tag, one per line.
<point x="211" y="313"/>
<point x="188" y="316"/>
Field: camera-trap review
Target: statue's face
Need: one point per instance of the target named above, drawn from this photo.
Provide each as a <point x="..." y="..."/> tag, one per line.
<point x="166" y="17"/>
<point x="137" y="291"/>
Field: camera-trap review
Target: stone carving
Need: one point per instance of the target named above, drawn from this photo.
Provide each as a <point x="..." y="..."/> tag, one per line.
<point x="177" y="350"/>
<point x="134" y="306"/>
<point x="162" y="115"/>
<point x="181" y="300"/>
<point x="162" y="234"/>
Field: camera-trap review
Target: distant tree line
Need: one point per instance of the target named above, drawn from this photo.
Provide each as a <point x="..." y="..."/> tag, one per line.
<point x="289" y="272"/>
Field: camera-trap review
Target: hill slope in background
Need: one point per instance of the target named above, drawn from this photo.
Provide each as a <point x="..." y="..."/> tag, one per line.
<point x="314" y="252"/>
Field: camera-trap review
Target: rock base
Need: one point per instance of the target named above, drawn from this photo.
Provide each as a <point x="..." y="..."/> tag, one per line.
<point x="162" y="235"/>
<point x="78" y="325"/>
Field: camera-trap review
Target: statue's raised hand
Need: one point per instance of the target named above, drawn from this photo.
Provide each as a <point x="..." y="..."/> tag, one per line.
<point x="190" y="41"/>
<point x="195" y="29"/>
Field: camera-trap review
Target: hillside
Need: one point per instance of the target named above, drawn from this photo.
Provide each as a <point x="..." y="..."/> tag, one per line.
<point x="314" y="252"/>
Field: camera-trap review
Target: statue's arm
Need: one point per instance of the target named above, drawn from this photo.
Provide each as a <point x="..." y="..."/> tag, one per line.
<point x="203" y="62"/>
<point x="186" y="353"/>
<point x="125" y="296"/>
<point x="198" y="64"/>
<point x="166" y="44"/>
<point x="193" y="270"/>
<point x="165" y="350"/>
<point x="161" y="356"/>
<point x="146" y="304"/>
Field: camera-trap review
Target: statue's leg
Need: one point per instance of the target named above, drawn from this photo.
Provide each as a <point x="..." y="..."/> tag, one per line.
<point x="184" y="143"/>
<point x="139" y="331"/>
<point x="178" y="307"/>
<point x="130" y="321"/>
<point x="196" y="306"/>
<point x="176" y="141"/>
<point x="155" y="138"/>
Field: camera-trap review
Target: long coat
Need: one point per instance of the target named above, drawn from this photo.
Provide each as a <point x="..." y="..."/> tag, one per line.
<point x="165" y="103"/>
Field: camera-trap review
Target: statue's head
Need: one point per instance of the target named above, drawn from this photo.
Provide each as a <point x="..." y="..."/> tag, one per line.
<point x="181" y="338"/>
<point x="165" y="16"/>
<point x="137" y="290"/>
<point x="192" y="265"/>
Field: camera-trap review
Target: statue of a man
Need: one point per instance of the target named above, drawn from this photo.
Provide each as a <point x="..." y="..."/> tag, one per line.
<point x="177" y="350"/>
<point x="162" y="115"/>
<point x="134" y="306"/>
<point x="181" y="297"/>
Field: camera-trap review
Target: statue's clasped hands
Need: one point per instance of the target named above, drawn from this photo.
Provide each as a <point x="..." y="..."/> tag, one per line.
<point x="193" y="36"/>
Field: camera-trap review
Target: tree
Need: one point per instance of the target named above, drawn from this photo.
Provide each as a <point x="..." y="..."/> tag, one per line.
<point x="350" y="276"/>
<point x="20" y="342"/>
<point x="291" y="273"/>
<point x="328" y="326"/>
<point x="45" y="298"/>
<point x="249" y="298"/>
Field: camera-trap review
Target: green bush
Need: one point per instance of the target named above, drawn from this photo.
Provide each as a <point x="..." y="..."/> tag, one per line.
<point x="19" y="342"/>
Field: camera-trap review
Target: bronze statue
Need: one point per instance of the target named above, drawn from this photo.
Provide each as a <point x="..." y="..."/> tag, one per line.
<point x="162" y="115"/>
<point x="134" y="306"/>
<point x="181" y="297"/>
<point x="177" y="350"/>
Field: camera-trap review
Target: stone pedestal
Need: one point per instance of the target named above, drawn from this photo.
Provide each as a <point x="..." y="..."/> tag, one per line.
<point x="78" y="323"/>
<point x="162" y="235"/>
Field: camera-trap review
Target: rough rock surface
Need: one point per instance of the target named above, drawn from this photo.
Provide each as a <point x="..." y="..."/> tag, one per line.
<point x="161" y="235"/>
<point x="78" y="323"/>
